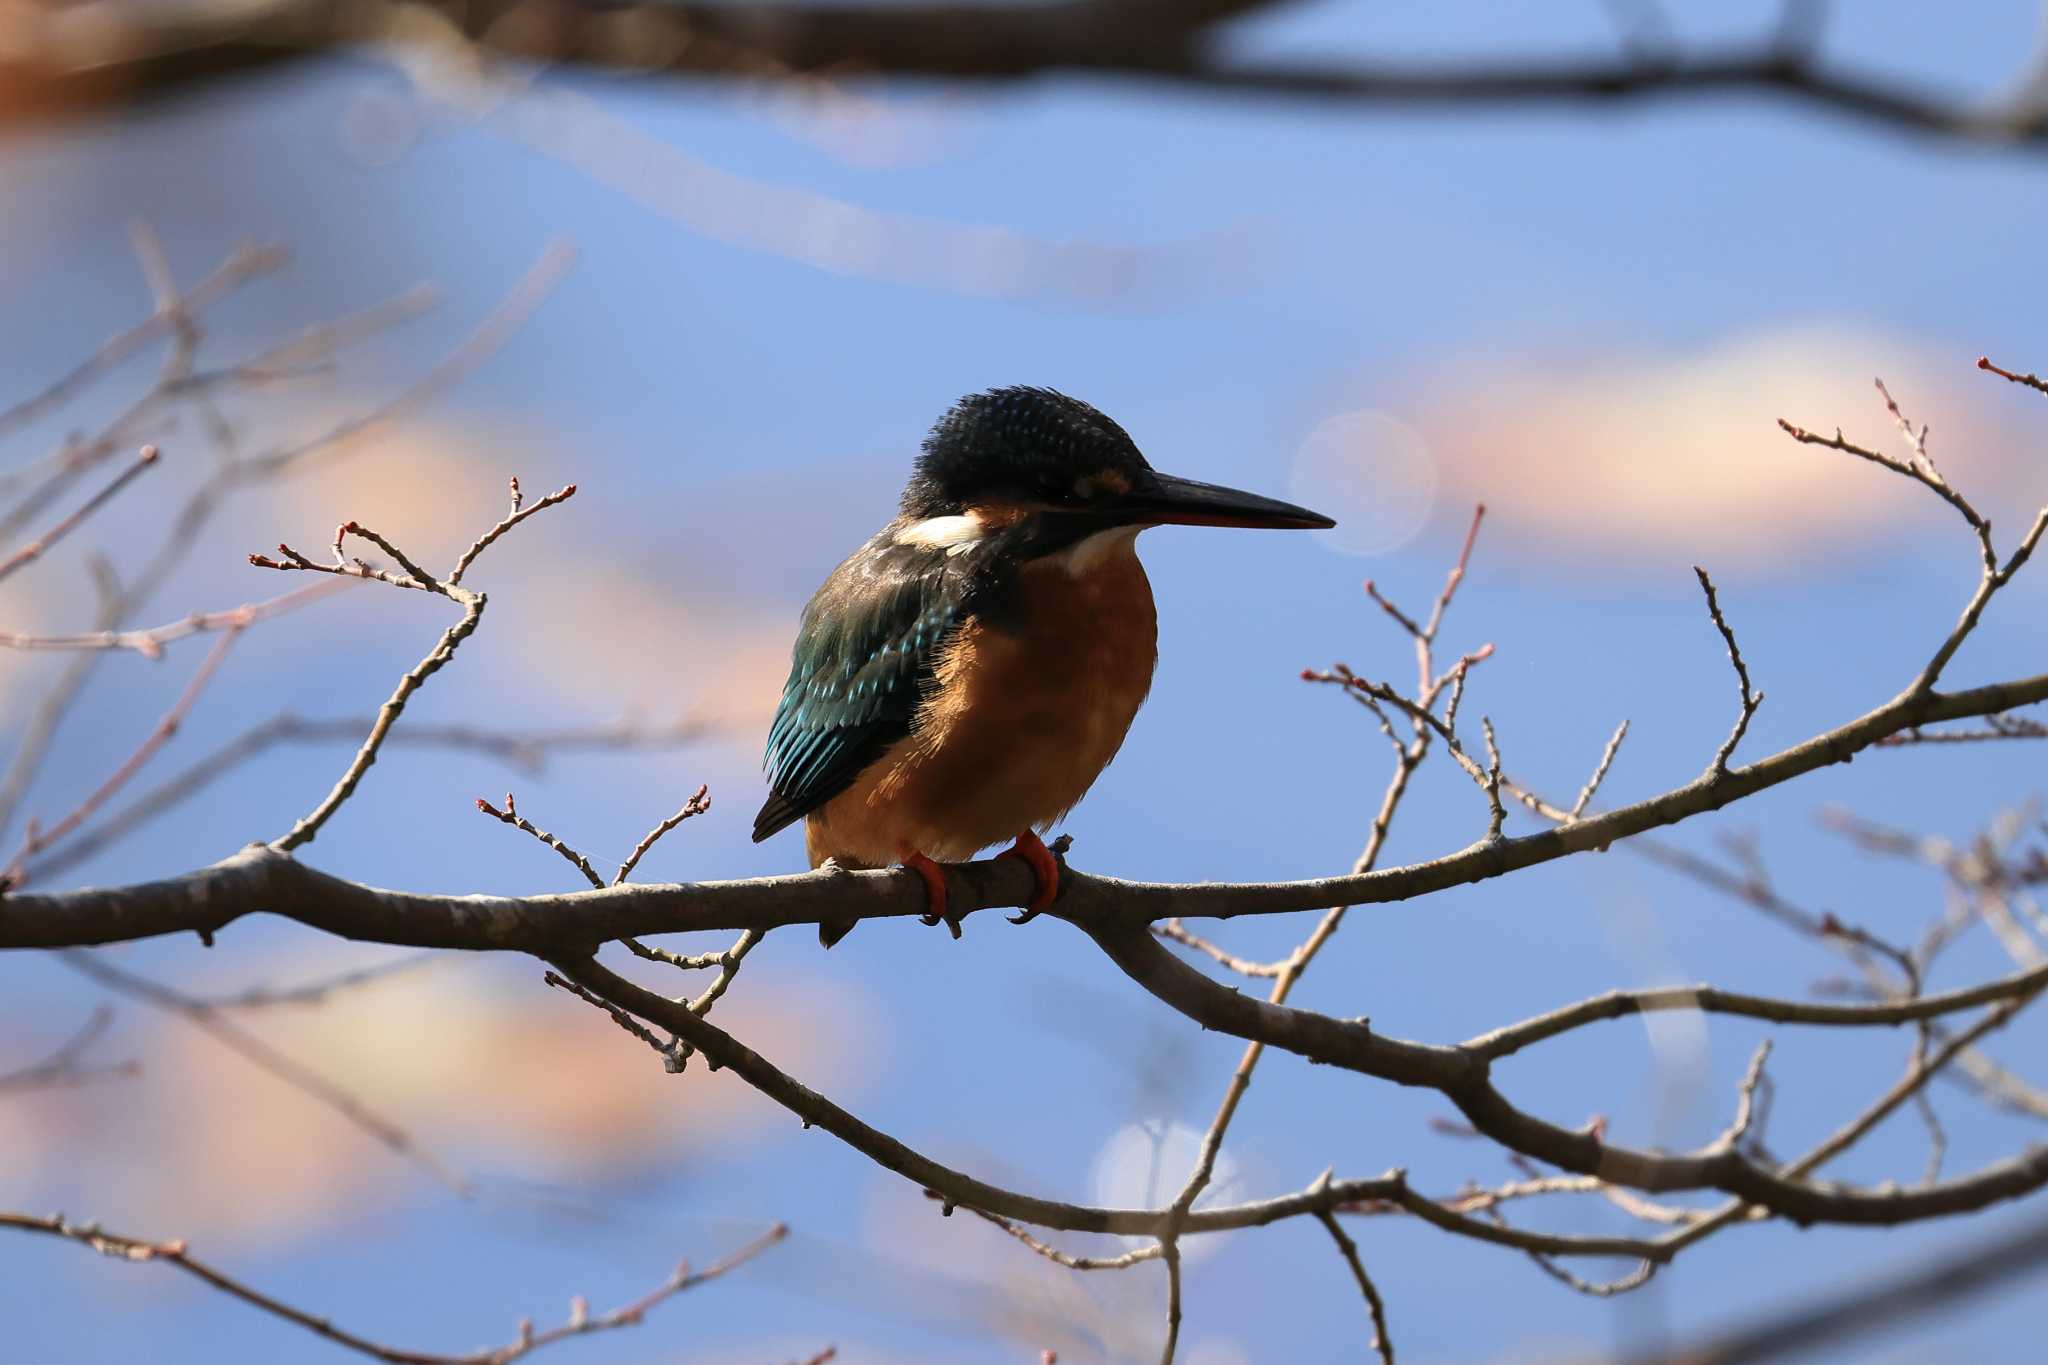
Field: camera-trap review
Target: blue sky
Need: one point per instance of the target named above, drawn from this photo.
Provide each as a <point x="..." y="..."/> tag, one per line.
<point x="1494" y="280"/>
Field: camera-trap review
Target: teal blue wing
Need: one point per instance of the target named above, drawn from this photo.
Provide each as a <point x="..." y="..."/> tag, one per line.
<point x="862" y="663"/>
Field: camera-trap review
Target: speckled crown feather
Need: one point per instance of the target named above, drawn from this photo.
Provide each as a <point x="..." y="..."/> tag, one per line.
<point x="1019" y="443"/>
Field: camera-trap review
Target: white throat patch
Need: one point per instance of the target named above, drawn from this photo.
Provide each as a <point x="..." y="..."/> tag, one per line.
<point x="1088" y="555"/>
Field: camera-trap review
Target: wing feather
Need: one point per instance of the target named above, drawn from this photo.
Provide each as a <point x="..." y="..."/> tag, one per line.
<point x="862" y="662"/>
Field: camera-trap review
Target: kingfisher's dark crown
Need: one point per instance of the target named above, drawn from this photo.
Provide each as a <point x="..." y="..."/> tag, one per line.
<point x="1019" y="444"/>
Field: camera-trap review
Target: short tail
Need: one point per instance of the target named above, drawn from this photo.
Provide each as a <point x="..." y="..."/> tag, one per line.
<point x="777" y="814"/>
<point x="830" y="931"/>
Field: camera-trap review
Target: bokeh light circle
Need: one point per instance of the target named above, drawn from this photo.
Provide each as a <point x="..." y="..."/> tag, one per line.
<point x="1373" y="473"/>
<point x="1144" y="1165"/>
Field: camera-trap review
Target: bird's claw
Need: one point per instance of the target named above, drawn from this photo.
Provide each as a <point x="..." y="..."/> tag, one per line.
<point x="936" y="911"/>
<point x="1044" y="866"/>
<point x="952" y="924"/>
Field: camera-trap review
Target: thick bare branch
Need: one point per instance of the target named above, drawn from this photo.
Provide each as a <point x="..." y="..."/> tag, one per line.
<point x="956" y="1188"/>
<point x="210" y="898"/>
<point x="1463" y="1076"/>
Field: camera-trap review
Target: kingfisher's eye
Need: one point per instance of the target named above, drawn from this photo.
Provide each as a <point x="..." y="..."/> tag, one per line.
<point x="1102" y="484"/>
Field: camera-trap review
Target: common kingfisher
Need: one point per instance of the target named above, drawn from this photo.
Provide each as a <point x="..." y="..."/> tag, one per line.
<point x="965" y="676"/>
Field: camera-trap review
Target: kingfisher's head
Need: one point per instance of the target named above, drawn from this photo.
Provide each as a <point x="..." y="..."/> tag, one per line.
<point x="1032" y="457"/>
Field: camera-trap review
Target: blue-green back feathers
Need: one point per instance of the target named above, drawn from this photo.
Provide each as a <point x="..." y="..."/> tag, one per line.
<point x="863" y="660"/>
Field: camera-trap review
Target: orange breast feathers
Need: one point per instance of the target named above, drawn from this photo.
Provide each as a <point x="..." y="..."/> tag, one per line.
<point x="1021" y="719"/>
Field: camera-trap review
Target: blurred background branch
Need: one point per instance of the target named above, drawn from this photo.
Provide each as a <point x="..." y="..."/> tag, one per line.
<point x="64" y="57"/>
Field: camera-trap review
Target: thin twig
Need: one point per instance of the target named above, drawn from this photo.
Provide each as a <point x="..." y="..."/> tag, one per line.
<point x="580" y="1321"/>
<point x="246" y="262"/>
<point x="1417" y="711"/>
<point x="1937" y="1138"/>
<point x="1407" y="759"/>
<point x="511" y="816"/>
<point x="64" y="1066"/>
<point x="1599" y="773"/>
<point x="1151" y="1251"/>
<point x="317" y="991"/>
<point x="1916" y="439"/>
<point x="150" y="643"/>
<point x="2032" y="381"/>
<point x="145" y="459"/>
<point x="527" y="751"/>
<point x="413" y="571"/>
<point x="1382" y="1341"/>
<point x="1169" y="1250"/>
<point x="56" y="703"/>
<point x="1478" y="1200"/>
<point x="472" y="604"/>
<point x="1996" y="727"/>
<point x="618" y="1016"/>
<point x="699" y="802"/>
<point x="1496" y="813"/>
<point x="307" y="827"/>
<point x="1401" y="618"/>
<point x="728" y="967"/>
<point x="1179" y="933"/>
<point x="1456" y="574"/>
<point x="183" y="530"/>
<point x="1749" y="700"/>
<point x="1920" y="473"/>
<point x="1745" y="1107"/>
<point x="512" y="519"/>
<point x="266" y="1058"/>
<point x="37" y="840"/>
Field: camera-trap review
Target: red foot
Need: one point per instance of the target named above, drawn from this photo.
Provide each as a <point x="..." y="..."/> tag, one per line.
<point x="934" y="888"/>
<point x="1043" y="866"/>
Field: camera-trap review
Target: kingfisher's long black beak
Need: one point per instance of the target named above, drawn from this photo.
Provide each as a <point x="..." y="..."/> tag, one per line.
<point x="1168" y="500"/>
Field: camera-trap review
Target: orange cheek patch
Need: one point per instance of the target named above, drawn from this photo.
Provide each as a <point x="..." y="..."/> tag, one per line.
<point x="996" y="516"/>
